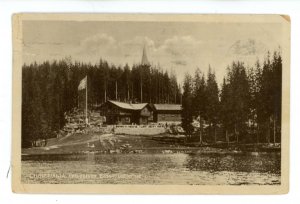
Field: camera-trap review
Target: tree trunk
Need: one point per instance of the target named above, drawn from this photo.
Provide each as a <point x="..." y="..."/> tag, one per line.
<point x="175" y="98"/>
<point x="132" y="92"/>
<point x="209" y="132"/>
<point x="274" y="130"/>
<point x="235" y="133"/>
<point x="141" y="90"/>
<point x="268" y="132"/>
<point x="227" y="138"/>
<point x="257" y="132"/>
<point x="128" y="92"/>
<point x="215" y="132"/>
<point x="105" y="93"/>
<point x="116" y="90"/>
<point x="200" y="129"/>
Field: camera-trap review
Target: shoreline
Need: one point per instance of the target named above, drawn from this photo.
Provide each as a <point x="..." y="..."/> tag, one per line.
<point x="156" y="150"/>
<point x="97" y="143"/>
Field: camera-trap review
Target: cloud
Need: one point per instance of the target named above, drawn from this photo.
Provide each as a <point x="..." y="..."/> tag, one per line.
<point x="247" y="47"/>
<point x="95" y="43"/>
<point x="133" y="47"/>
<point x="173" y="51"/>
<point x="180" y="53"/>
<point x="139" y="41"/>
<point x="180" y="45"/>
<point x="180" y="62"/>
<point x="27" y="54"/>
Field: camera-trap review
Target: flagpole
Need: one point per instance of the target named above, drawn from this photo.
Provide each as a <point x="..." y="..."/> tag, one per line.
<point x="86" y="101"/>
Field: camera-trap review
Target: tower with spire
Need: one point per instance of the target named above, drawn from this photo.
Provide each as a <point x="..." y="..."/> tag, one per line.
<point x="144" y="63"/>
<point x="145" y="60"/>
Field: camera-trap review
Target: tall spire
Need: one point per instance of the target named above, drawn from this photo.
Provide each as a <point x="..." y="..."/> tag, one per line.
<point x="144" y="57"/>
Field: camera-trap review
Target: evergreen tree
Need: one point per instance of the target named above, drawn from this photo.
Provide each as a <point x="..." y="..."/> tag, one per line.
<point x="269" y="98"/>
<point x="50" y="90"/>
<point x="225" y="111"/>
<point x="249" y="105"/>
<point x="187" y="110"/>
<point x="254" y="74"/>
<point x="200" y="101"/>
<point x="212" y="109"/>
<point x="238" y="102"/>
<point x="174" y="89"/>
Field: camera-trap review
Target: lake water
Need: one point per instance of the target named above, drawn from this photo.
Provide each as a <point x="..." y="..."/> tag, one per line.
<point x="194" y="169"/>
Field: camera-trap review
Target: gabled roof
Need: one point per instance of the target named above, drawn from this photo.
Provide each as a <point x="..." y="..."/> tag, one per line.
<point x="128" y="106"/>
<point x="138" y="106"/>
<point x="166" y="107"/>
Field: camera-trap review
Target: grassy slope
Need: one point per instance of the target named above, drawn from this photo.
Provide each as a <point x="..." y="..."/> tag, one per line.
<point x="78" y="143"/>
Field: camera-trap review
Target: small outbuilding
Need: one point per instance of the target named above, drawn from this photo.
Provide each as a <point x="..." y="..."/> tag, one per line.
<point x="166" y="113"/>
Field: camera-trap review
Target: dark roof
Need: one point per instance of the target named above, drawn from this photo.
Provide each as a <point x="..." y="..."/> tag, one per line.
<point x="129" y="106"/>
<point x="167" y="107"/>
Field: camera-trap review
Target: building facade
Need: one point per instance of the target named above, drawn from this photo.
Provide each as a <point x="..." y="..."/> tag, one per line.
<point x="117" y="112"/>
<point x="166" y="113"/>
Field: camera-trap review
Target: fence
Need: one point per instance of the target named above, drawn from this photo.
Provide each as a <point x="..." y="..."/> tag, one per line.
<point x="139" y="129"/>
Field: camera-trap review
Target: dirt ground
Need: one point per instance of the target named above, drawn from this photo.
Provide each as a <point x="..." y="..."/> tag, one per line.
<point x="103" y="143"/>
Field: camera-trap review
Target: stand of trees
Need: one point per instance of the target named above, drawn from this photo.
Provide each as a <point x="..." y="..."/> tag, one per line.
<point x="246" y="109"/>
<point x="50" y="90"/>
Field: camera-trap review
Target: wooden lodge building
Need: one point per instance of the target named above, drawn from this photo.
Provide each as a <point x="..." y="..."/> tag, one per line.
<point x="126" y="113"/>
<point x="117" y="112"/>
<point x="167" y="112"/>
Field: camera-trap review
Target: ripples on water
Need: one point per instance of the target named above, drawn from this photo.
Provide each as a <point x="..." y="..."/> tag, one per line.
<point x="198" y="169"/>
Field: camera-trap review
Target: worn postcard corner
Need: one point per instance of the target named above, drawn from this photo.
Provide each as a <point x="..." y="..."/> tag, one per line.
<point x="286" y="17"/>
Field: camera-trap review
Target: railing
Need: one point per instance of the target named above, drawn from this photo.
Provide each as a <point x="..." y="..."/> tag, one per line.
<point x="139" y="129"/>
<point x="139" y="126"/>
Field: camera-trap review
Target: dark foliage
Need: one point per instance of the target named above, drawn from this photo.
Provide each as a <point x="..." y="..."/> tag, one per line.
<point x="187" y="106"/>
<point x="49" y="91"/>
<point x="247" y="108"/>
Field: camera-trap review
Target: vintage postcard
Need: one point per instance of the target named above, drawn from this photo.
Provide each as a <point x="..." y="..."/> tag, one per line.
<point x="151" y="103"/>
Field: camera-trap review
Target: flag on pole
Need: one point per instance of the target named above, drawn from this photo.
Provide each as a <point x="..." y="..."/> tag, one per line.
<point x="82" y="84"/>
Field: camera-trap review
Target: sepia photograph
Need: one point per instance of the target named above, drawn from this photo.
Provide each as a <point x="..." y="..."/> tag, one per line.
<point x="151" y="103"/>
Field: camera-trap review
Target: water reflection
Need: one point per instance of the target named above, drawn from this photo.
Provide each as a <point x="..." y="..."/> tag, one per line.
<point x="202" y="169"/>
<point x="269" y="163"/>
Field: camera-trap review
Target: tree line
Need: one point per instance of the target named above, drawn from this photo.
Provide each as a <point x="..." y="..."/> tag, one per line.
<point x="247" y="107"/>
<point x="50" y="90"/>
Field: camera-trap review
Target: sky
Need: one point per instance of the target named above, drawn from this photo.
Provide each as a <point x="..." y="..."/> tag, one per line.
<point x="178" y="47"/>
